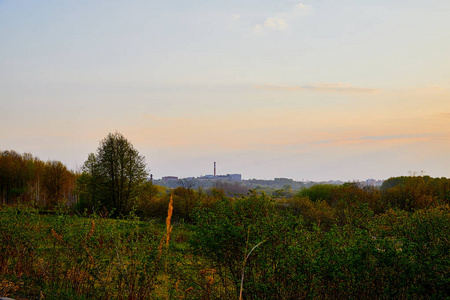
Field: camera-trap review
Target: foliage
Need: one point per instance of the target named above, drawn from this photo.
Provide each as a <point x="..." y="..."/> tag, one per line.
<point x="26" y="179"/>
<point x="392" y="255"/>
<point x="395" y="254"/>
<point x="319" y="192"/>
<point x="113" y="175"/>
<point x="327" y="241"/>
<point x="69" y="257"/>
<point x="226" y="232"/>
<point x="55" y="178"/>
<point x="314" y="213"/>
<point x="416" y="192"/>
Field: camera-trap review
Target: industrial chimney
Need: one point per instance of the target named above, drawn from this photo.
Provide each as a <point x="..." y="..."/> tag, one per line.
<point x="214" y="169"/>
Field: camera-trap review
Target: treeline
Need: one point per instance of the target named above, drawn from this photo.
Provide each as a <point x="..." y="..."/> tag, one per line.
<point x="327" y="205"/>
<point x="322" y="205"/>
<point x="27" y="179"/>
<point x="114" y="181"/>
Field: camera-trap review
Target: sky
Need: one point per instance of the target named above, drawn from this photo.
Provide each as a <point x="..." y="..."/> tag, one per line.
<point x="308" y="90"/>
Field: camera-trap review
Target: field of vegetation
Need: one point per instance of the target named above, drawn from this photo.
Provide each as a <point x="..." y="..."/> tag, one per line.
<point x="108" y="233"/>
<point x="325" y="242"/>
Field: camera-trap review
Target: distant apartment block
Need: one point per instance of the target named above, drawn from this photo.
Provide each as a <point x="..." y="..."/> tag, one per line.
<point x="169" y="178"/>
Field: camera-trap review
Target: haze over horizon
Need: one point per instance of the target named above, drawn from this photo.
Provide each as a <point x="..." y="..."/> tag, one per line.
<point x="313" y="89"/>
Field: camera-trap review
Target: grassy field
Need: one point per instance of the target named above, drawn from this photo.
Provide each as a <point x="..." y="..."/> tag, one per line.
<point x="394" y="254"/>
<point x="66" y="256"/>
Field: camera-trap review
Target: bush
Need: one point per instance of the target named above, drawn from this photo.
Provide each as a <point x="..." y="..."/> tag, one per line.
<point x="226" y="233"/>
<point x="318" y="213"/>
<point x="319" y="192"/>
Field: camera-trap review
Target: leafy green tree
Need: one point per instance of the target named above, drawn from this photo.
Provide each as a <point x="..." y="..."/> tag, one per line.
<point x="89" y="185"/>
<point x="393" y="182"/>
<point x="320" y="192"/>
<point x="113" y="174"/>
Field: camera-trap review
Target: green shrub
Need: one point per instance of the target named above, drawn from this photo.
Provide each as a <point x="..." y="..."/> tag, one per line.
<point x="226" y="233"/>
<point x="319" y="192"/>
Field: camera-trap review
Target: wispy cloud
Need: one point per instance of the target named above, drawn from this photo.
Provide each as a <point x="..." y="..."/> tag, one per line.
<point x="387" y="137"/>
<point x="396" y="136"/>
<point x="302" y="6"/>
<point x="320" y="87"/>
<point x="280" y="21"/>
<point x="275" y="23"/>
<point x="271" y="24"/>
<point x="444" y="115"/>
<point x="434" y="88"/>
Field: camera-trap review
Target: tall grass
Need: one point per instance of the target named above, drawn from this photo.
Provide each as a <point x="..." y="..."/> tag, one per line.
<point x="69" y="257"/>
<point x="245" y="248"/>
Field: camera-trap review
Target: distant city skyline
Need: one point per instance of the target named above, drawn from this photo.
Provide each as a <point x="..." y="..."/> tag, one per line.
<point x="319" y="90"/>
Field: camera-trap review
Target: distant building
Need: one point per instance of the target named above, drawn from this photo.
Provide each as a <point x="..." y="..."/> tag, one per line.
<point x="373" y="182"/>
<point x="370" y="182"/>
<point x="169" y="178"/>
<point x="228" y="177"/>
<point x="234" y="177"/>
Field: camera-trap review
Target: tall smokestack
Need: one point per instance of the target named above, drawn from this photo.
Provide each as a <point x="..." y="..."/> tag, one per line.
<point x="214" y="169"/>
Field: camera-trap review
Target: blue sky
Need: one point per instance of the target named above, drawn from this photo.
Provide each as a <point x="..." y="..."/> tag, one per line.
<point x="315" y="89"/>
